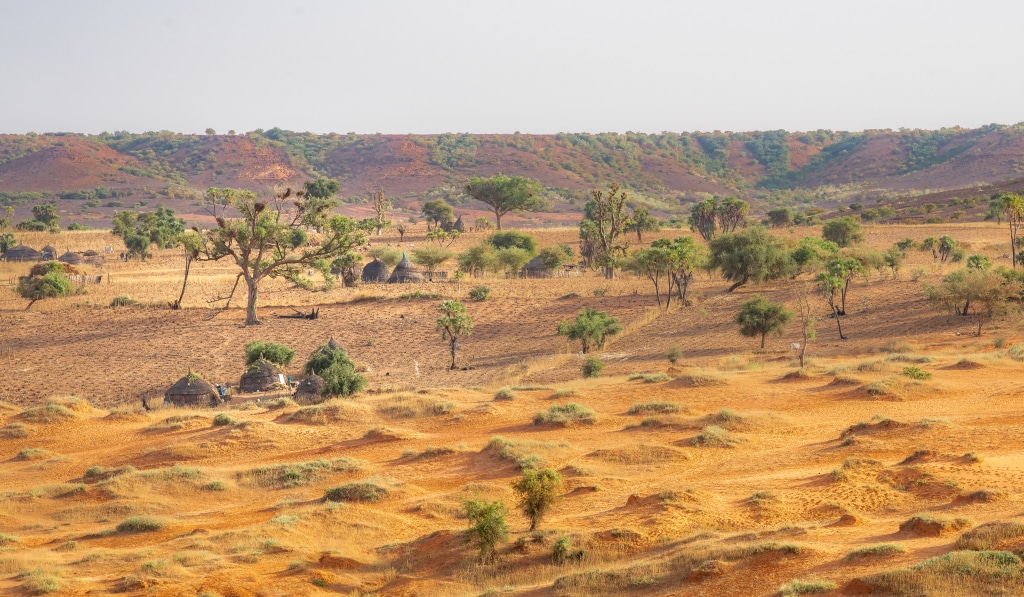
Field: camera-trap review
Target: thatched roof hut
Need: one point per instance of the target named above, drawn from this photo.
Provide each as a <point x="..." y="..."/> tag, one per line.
<point x="310" y="390"/>
<point x="334" y="344"/>
<point x="459" y="226"/>
<point x="536" y="269"/>
<point x="72" y="258"/>
<point x="49" y="252"/>
<point x="261" y="377"/>
<point x="191" y="390"/>
<point x="23" y="253"/>
<point x="375" y="272"/>
<point x="404" y="272"/>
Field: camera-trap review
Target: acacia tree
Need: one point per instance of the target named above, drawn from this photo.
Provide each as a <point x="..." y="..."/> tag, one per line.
<point x="591" y="327"/>
<point x="607" y="221"/>
<point x="453" y="324"/>
<point x="506" y="194"/>
<point x="686" y="257"/>
<point x="437" y="212"/>
<point x="537" y="491"/>
<point x="843" y="269"/>
<point x="655" y="263"/>
<point x="731" y="214"/>
<point x="760" y="317"/>
<point x="977" y="293"/>
<point x="830" y="285"/>
<point x="1011" y="206"/>
<point x="702" y="219"/>
<point x="805" y="317"/>
<point x="843" y="231"/>
<point x="381" y="207"/>
<point x="271" y="241"/>
<point x="642" y="221"/>
<point x="751" y="255"/>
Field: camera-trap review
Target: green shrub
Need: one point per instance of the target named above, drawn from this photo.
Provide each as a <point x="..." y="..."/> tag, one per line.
<point x="338" y="372"/>
<point x="565" y="415"/>
<point x="272" y="352"/>
<point x="480" y="293"/>
<point x="215" y="486"/>
<point x="486" y="525"/>
<point x="915" y="372"/>
<point x="505" y="393"/>
<point x="674" y="354"/>
<point x="880" y="549"/>
<point x="592" y="367"/>
<point x="222" y="419"/>
<point x="1016" y="352"/>
<point x="356" y="492"/>
<point x="714" y="436"/>
<point x="39" y="582"/>
<point x="123" y="301"/>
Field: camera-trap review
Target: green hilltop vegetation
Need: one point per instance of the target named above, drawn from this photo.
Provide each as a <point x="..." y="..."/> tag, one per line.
<point x="667" y="172"/>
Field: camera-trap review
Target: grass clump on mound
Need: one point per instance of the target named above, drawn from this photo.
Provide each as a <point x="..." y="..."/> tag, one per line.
<point x="140" y="524"/>
<point x="123" y="300"/>
<point x="223" y="419"/>
<point x="318" y="414"/>
<point x="15" y="431"/>
<point x="298" y="473"/>
<point x="407" y="406"/>
<point x="175" y="423"/>
<point x="915" y="372"/>
<point x="34" y="454"/>
<point x="879" y="549"/>
<point x="592" y="367"/>
<point x="520" y="453"/>
<point x="54" y="411"/>
<point x="955" y="573"/>
<point x="663" y="408"/>
<point x="566" y="393"/>
<point x="6" y="540"/>
<point x="806" y="587"/>
<point x="714" y="436"/>
<point x="98" y="473"/>
<point x="565" y="415"/>
<point x="279" y="403"/>
<point x="649" y="377"/>
<point x="506" y="393"/>
<point x="39" y="581"/>
<point x="990" y="536"/>
<point x="932" y="526"/>
<point x="356" y="492"/>
<point x="1016" y="352"/>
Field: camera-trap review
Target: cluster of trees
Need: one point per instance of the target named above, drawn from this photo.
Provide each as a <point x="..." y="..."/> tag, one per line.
<point x="536" y="491"/>
<point x="140" y="231"/>
<point x="44" y="217"/>
<point x="710" y="216"/>
<point x="509" y="252"/>
<point x="330" y="364"/>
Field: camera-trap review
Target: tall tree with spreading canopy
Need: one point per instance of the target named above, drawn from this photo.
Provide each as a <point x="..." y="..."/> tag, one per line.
<point x="536" y="491"/>
<point x="731" y="214"/>
<point x="591" y="327"/>
<point x="506" y="194"/>
<point x="976" y="293"/>
<point x="654" y="263"/>
<point x="686" y="258"/>
<point x="702" y="219"/>
<point x="844" y="231"/>
<point x="438" y="212"/>
<point x="453" y="324"/>
<point x="751" y="255"/>
<point x="760" y="317"/>
<point x="270" y="241"/>
<point x="642" y="221"/>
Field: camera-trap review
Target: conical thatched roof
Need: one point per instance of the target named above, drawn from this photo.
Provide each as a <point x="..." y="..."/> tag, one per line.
<point x="404" y="272"/>
<point x="191" y="390"/>
<point x="261" y="377"/>
<point x="50" y="250"/>
<point x="459" y="226"/>
<point x="23" y="253"/>
<point x="69" y="257"/>
<point x="310" y="390"/>
<point x="536" y="269"/>
<point x="375" y="272"/>
<point x="332" y="343"/>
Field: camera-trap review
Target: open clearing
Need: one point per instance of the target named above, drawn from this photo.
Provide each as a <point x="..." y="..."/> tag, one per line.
<point x="810" y="478"/>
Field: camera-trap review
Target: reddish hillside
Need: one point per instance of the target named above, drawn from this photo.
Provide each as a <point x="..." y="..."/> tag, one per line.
<point x="70" y="164"/>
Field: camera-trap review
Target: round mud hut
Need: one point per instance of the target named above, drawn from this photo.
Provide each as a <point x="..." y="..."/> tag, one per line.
<point x="71" y="258"/>
<point x="49" y="252"/>
<point x="375" y="272"/>
<point x="405" y="272"/>
<point x="335" y="345"/>
<point x="536" y="269"/>
<point x="191" y="390"/>
<point x="261" y="377"/>
<point x="22" y="253"/>
<point x="310" y="390"/>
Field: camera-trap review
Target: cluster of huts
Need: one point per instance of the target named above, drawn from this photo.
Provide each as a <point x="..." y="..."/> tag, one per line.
<point x="24" y="253"/>
<point x="263" y="377"/>
<point x="377" y="272"/>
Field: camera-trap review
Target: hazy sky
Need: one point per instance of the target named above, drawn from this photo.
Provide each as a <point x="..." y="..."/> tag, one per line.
<point x="423" y="66"/>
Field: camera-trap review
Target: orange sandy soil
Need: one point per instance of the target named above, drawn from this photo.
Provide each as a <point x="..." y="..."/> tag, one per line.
<point x="640" y="497"/>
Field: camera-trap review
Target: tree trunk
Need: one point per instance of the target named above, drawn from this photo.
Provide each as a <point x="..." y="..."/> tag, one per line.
<point x="497" y="218"/>
<point x="737" y="285"/>
<point x="838" y="323"/>
<point x="250" y="307"/>
<point x="609" y="273"/>
<point x="453" y="346"/>
<point x="762" y="340"/>
<point x="181" y="297"/>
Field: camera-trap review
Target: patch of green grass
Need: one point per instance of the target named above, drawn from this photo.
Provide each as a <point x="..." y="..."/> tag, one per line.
<point x="419" y="294"/>
<point x="908" y="358"/>
<point x="520" y="453"/>
<point x="759" y="498"/>
<point x="298" y="473"/>
<point x="643" y="408"/>
<point x="7" y="540"/>
<point x="505" y="393"/>
<point x="990" y="536"/>
<point x="356" y="492"/>
<point x="879" y="549"/>
<point x="34" y="454"/>
<point x="806" y="587"/>
<point x="215" y="486"/>
<point x="914" y="372"/>
<point x="222" y="420"/>
<point x="140" y="524"/>
<point x="714" y="436"/>
<point x="39" y="581"/>
<point x="649" y="377"/>
<point x="15" y="431"/>
<point x="278" y="403"/>
<point x="565" y="415"/>
<point x="50" y="413"/>
<point x="1016" y="352"/>
<point x="955" y="573"/>
<point x="560" y="394"/>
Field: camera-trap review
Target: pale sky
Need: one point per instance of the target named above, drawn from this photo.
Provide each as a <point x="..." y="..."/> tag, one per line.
<point x="424" y="66"/>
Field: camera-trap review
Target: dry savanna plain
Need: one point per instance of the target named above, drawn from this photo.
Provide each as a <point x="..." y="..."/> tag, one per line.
<point x="729" y="472"/>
